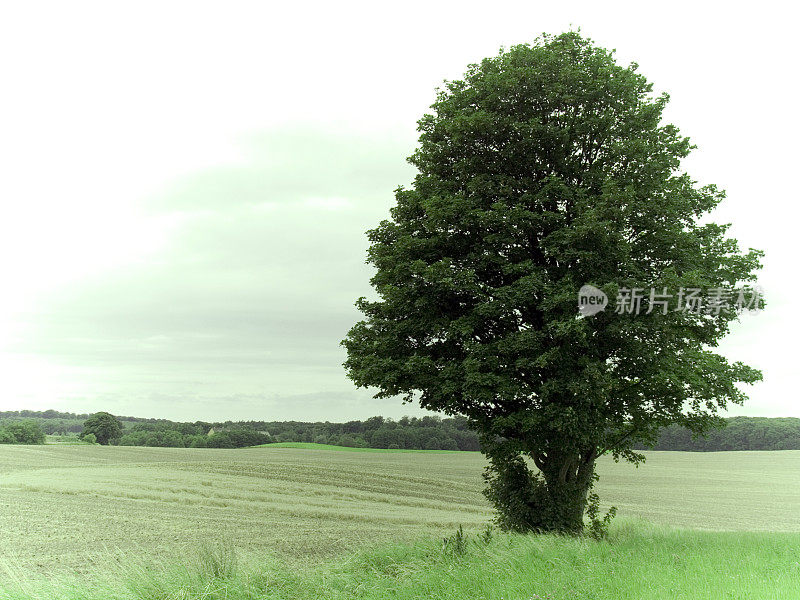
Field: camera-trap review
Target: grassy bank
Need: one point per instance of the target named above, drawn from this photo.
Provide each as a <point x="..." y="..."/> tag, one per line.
<point x="638" y="562"/>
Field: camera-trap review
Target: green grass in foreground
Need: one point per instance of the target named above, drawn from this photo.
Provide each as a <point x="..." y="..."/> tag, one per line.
<point x="638" y="562"/>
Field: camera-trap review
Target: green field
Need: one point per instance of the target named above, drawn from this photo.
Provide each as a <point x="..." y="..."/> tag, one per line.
<point x="311" y="446"/>
<point x="70" y="508"/>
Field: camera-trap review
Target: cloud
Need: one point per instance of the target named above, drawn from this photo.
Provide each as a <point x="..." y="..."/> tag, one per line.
<point x="297" y="165"/>
<point x="254" y="289"/>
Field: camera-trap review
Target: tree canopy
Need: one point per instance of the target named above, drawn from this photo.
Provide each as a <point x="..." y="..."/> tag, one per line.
<point x="546" y="168"/>
<point x="21" y="432"/>
<point x="104" y="426"/>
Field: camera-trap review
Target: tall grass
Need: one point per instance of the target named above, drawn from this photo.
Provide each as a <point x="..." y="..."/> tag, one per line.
<point x="638" y="562"/>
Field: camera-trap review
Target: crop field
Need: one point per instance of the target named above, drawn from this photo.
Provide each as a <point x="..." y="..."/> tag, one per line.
<point x="64" y="507"/>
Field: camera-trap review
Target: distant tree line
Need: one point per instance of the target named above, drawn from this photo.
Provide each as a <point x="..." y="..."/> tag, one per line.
<point x="740" y="433"/>
<point x="412" y="433"/>
<point x="54" y="422"/>
<point x="425" y="433"/>
<point x="415" y="433"/>
<point x="21" y="432"/>
<point x="192" y="435"/>
<point x="430" y="433"/>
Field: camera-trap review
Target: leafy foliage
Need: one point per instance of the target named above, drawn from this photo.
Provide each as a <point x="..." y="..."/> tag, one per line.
<point x="105" y="427"/>
<point x="21" y="432"/>
<point x="598" y="526"/>
<point x="544" y="169"/>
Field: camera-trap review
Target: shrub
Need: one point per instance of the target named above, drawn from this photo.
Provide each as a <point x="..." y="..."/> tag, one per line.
<point x="598" y="528"/>
<point x="21" y="432"/>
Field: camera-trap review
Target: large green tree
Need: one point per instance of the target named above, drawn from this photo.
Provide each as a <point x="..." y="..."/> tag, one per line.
<point x="546" y="168"/>
<point x="104" y="426"/>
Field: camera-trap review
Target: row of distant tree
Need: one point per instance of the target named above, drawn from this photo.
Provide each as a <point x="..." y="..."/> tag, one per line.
<point x="739" y="433"/>
<point x="190" y="435"/>
<point x="425" y="433"/>
<point x="55" y="422"/>
<point x="434" y="433"/>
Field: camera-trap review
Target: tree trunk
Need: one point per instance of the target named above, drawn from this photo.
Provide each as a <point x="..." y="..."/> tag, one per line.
<point x="553" y="500"/>
<point x="568" y="479"/>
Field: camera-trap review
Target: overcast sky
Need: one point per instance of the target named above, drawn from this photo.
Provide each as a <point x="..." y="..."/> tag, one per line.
<point x="185" y="186"/>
